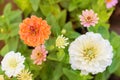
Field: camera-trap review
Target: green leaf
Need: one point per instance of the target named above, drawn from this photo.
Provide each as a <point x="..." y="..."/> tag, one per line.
<point x="57" y="56"/>
<point x="14" y="28"/>
<point x="1" y="72"/>
<point x="55" y="28"/>
<point x="116" y="46"/>
<point x="117" y="72"/>
<point x="13" y="45"/>
<point x="103" y="31"/>
<point x="10" y="21"/>
<point x="66" y="58"/>
<point x="60" y="54"/>
<point x="84" y="5"/>
<point x="65" y="4"/>
<point x="2" y="20"/>
<point x="24" y="5"/>
<point x="112" y="35"/>
<point x="10" y="45"/>
<point x="4" y="50"/>
<point x="102" y="76"/>
<point x="14" y="16"/>
<point x="72" y="34"/>
<point x="4" y="36"/>
<point x="115" y="41"/>
<point x="116" y="61"/>
<point x="68" y="26"/>
<point x="57" y="73"/>
<point x="35" y="4"/>
<point x="52" y="56"/>
<point x="14" y="78"/>
<point x="50" y="44"/>
<point x="72" y="75"/>
<point x="101" y="10"/>
<point x="7" y="9"/>
<point x="54" y="1"/>
<point x="23" y="48"/>
<point x="48" y="8"/>
<point x="75" y="75"/>
<point x="73" y="5"/>
<point x="62" y="18"/>
<point x="47" y="71"/>
<point x="115" y="64"/>
<point x="93" y="29"/>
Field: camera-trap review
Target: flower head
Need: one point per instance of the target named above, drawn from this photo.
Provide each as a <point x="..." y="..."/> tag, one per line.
<point x="34" y="31"/>
<point x="61" y="41"/>
<point x="39" y="54"/>
<point x="111" y="3"/>
<point x="24" y="75"/>
<point x="88" y="18"/>
<point x="12" y="63"/>
<point x="90" y="53"/>
<point x="1" y="77"/>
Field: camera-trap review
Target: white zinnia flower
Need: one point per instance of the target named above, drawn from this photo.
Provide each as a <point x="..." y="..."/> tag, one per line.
<point x="90" y="53"/>
<point x="61" y="41"/>
<point x="12" y="63"/>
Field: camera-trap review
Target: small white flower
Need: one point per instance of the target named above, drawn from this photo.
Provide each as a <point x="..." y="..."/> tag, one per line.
<point x="61" y="41"/>
<point x="1" y="77"/>
<point x="12" y="63"/>
<point x="25" y="75"/>
<point x="90" y="53"/>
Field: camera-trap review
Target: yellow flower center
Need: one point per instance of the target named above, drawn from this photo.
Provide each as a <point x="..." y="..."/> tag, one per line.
<point x="88" y="19"/>
<point x="108" y="1"/>
<point x="89" y="53"/>
<point x="33" y="30"/>
<point x="39" y="55"/>
<point x="13" y="63"/>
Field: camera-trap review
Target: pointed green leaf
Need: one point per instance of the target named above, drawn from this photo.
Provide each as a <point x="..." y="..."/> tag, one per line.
<point x="55" y="28"/>
<point x="35" y="4"/>
<point x="4" y="50"/>
<point x="24" y="5"/>
<point x="57" y="73"/>
<point x="103" y="31"/>
<point x="62" y="18"/>
<point x="7" y="9"/>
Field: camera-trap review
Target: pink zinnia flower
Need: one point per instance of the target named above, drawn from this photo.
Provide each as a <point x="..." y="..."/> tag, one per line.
<point x="39" y="54"/>
<point x="88" y="18"/>
<point x="111" y="3"/>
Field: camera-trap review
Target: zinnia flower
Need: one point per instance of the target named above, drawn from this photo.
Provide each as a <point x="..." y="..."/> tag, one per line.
<point x="34" y="31"/>
<point x="1" y="77"/>
<point x="24" y="75"/>
<point x="61" y="41"/>
<point x="90" y="53"/>
<point x="39" y="54"/>
<point x="111" y="3"/>
<point x="88" y="18"/>
<point x="12" y="63"/>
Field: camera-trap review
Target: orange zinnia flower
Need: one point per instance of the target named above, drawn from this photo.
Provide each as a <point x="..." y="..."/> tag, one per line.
<point x="34" y="31"/>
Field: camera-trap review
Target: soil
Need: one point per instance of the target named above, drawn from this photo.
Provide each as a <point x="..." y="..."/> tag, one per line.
<point x="115" y="19"/>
